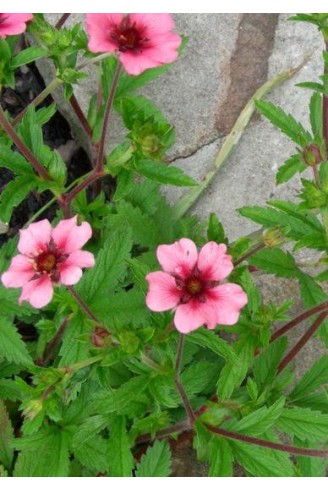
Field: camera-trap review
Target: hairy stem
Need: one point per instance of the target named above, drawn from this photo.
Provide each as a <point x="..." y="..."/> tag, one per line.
<point x="303" y="340"/>
<point x="179" y="385"/>
<point x="83" y="305"/>
<point x="298" y="319"/>
<point x="317" y="453"/>
<point x="108" y="108"/>
<point x="80" y="115"/>
<point x="22" y="147"/>
<point x="67" y="199"/>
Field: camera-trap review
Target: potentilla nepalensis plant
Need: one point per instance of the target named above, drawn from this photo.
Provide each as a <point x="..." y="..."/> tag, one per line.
<point x="109" y="377"/>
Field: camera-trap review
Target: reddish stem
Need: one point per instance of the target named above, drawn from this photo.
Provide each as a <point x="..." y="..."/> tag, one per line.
<point x="59" y="24"/>
<point x="53" y="344"/>
<point x="22" y="147"/>
<point x="108" y="108"/>
<point x="80" y="115"/>
<point x="301" y="343"/>
<point x="67" y="199"/>
<point x="317" y="453"/>
<point x="298" y="319"/>
<point x="249" y="254"/>
<point x="83" y="305"/>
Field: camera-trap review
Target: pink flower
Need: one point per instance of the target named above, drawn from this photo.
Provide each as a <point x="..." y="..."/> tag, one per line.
<point x="141" y="40"/>
<point x="11" y="24"/>
<point x="191" y="284"/>
<point x="48" y="257"/>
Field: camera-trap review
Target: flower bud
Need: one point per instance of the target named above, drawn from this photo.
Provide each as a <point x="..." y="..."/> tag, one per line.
<point x="33" y="408"/>
<point x="100" y="337"/>
<point x="273" y="237"/>
<point x="312" y="155"/>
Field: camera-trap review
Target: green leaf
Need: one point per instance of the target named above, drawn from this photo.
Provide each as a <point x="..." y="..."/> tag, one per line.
<point x="163" y="174"/>
<point x="220" y="458"/>
<point x="285" y="122"/>
<point x="234" y="372"/>
<point x="120" y="458"/>
<point x="15" y="162"/>
<point x="6" y="437"/>
<point x="311" y="292"/>
<point x="110" y="267"/>
<point x="215" y="230"/>
<point x="121" y="308"/>
<point x="93" y="454"/>
<point x="304" y="423"/>
<point x="293" y="165"/>
<point x="312" y="379"/>
<point x="265" y="365"/>
<point x="15" y="192"/>
<point x="156" y="462"/>
<point x="27" y="56"/>
<point x="261" y="462"/>
<point x="258" y="421"/>
<point x="210" y="340"/>
<point x="315" y="107"/>
<point x="12" y="347"/>
<point x="297" y="217"/>
<point x="315" y="467"/>
<point x="72" y="349"/>
<point x="275" y="261"/>
<point x="10" y="306"/>
<point x="43" y="454"/>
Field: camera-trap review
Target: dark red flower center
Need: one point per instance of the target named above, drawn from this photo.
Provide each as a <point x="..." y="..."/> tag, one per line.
<point x="128" y="36"/>
<point x="194" y="286"/>
<point x="45" y="262"/>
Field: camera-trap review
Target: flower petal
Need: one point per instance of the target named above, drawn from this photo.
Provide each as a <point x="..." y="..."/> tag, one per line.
<point x="213" y="262"/>
<point x="34" y="238"/>
<point x="69" y="237"/>
<point x="69" y="274"/>
<point x="194" y="314"/>
<point x="227" y="299"/>
<point x="98" y="27"/>
<point x="38" y="292"/>
<point x="80" y="258"/>
<point x="19" y="273"/>
<point x="163" y="293"/>
<point x="179" y="258"/>
<point x="136" y="63"/>
<point x="12" y="24"/>
<point x="154" y="23"/>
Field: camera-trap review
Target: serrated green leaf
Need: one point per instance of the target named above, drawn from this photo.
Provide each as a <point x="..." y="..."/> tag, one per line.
<point x="293" y="165"/>
<point x="258" y="421"/>
<point x="211" y="341"/>
<point x="285" y="122"/>
<point x="93" y="454"/>
<point x="15" y="192"/>
<point x="9" y="390"/>
<point x="305" y="218"/>
<point x="15" y="162"/>
<point x="44" y="114"/>
<point x="310" y="467"/>
<point x="265" y="365"/>
<point x="120" y="458"/>
<point x="220" y="458"/>
<point x="303" y="423"/>
<point x="27" y="56"/>
<point x="315" y="240"/>
<point x="312" y="379"/>
<point x="234" y="372"/>
<point x="315" y="108"/>
<point x="10" y="306"/>
<point x="156" y="462"/>
<point x="311" y="292"/>
<point x="6" y="437"/>
<point x="12" y="347"/>
<point x="110" y="267"/>
<point x="44" y="454"/>
<point x="260" y="462"/>
<point x="122" y="308"/>
<point x="163" y="174"/>
<point x="275" y="261"/>
<point x="72" y="349"/>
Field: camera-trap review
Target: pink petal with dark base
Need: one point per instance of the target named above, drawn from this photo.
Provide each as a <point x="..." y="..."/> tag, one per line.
<point x="38" y="292"/>
<point x="69" y="237"/>
<point x="35" y="238"/>
<point x="213" y="262"/>
<point x="179" y="258"/>
<point x="12" y="24"/>
<point x="163" y="293"/>
<point x="154" y="23"/>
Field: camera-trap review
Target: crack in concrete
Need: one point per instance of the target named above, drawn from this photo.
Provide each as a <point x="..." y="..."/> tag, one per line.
<point x="194" y="152"/>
